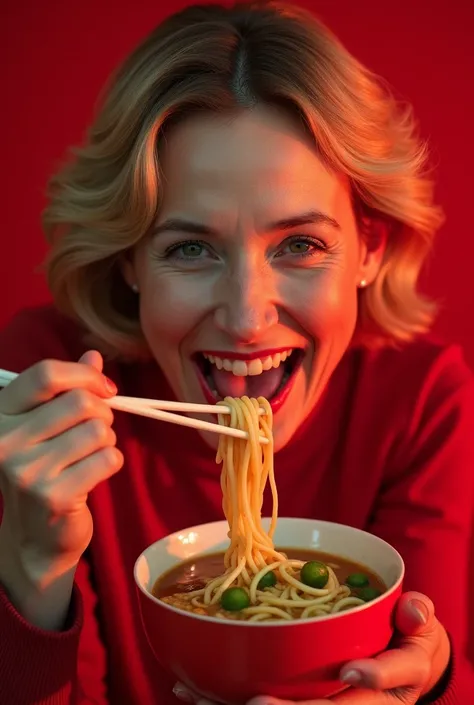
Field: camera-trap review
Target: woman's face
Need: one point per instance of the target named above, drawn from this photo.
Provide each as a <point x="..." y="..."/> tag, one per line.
<point x="255" y="253"/>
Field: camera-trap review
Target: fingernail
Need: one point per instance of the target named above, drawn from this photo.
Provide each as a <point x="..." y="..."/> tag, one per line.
<point x="352" y="677"/>
<point x="182" y="693"/>
<point x="110" y="386"/>
<point x="420" y="610"/>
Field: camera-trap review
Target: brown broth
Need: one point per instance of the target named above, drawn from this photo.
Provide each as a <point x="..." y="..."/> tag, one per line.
<point x="194" y="573"/>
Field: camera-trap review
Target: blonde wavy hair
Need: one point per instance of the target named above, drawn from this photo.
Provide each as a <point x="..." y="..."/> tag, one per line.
<point x="214" y="58"/>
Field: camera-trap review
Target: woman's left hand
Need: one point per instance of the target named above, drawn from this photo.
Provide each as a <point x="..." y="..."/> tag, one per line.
<point x="412" y="667"/>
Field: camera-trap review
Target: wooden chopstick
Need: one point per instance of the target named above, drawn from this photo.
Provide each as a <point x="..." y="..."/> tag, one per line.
<point x="183" y="406"/>
<point x="140" y="407"/>
<point x="179" y="420"/>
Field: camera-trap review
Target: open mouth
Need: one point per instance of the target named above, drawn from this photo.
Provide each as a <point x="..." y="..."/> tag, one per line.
<point x="270" y="375"/>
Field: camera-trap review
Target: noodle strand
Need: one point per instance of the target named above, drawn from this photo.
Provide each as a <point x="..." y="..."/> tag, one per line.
<point x="247" y="468"/>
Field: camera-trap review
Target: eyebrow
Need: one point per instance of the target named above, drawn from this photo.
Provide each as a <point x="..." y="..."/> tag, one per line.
<point x="313" y="217"/>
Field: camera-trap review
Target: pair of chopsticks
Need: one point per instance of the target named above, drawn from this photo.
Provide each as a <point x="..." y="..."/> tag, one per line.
<point x="159" y="410"/>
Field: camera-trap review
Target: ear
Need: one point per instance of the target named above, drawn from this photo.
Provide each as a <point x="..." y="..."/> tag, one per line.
<point x="373" y="242"/>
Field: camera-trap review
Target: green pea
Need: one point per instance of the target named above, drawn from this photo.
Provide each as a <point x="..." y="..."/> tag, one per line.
<point x="234" y="599"/>
<point x="357" y="580"/>
<point x="368" y="593"/>
<point x="314" y="574"/>
<point x="266" y="581"/>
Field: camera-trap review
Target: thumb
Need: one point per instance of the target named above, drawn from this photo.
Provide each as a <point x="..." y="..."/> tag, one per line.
<point x="92" y="358"/>
<point x="419" y="629"/>
<point x="408" y="662"/>
<point x="415" y="615"/>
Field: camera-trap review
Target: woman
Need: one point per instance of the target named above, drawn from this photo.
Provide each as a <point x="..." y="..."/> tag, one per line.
<point x="247" y="188"/>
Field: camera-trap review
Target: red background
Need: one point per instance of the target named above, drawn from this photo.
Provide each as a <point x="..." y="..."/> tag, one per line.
<point x="60" y="53"/>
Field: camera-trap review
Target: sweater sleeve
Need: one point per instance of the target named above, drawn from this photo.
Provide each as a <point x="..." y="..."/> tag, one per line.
<point x="40" y="667"/>
<point x="426" y="509"/>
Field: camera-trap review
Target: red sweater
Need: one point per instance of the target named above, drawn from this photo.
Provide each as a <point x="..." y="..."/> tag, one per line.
<point x="388" y="449"/>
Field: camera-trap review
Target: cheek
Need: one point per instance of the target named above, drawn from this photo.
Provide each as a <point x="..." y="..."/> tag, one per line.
<point x="326" y="306"/>
<point x="169" y="311"/>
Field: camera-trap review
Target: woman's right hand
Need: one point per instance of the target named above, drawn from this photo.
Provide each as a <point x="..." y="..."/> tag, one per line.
<point x="56" y="445"/>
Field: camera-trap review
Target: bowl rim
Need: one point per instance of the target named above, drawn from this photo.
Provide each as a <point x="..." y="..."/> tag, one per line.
<point x="276" y="623"/>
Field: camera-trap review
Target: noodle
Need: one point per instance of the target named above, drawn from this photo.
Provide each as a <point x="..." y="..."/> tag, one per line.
<point x="247" y="467"/>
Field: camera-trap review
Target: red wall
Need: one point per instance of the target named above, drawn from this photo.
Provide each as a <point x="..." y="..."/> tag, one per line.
<point x="59" y="54"/>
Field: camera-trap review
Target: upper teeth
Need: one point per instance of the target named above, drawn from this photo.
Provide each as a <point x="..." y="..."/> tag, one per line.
<point x="242" y="368"/>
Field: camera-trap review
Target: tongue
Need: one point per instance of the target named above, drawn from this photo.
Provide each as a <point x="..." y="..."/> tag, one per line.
<point x="264" y="385"/>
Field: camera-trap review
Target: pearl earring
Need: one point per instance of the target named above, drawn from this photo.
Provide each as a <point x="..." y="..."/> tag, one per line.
<point x="134" y="288"/>
<point x="363" y="283"/>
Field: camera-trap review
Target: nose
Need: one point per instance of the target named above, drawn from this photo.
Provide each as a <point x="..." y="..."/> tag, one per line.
<point x="247" y="308"/>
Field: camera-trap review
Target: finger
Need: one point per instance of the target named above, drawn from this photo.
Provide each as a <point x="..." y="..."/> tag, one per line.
<point x="62" y="413"/>
<point x="370" y="697"/>
<point x="415" y="615"/>
<point x="46" y="380"/>
<point x="417" y="623"/>
<point x="75" y="483"/>
<point x="77" y="443"/>
<point x="349" y="697"/>
<point x="407" y="666"/>
<point x="47" y="460"/>
<point x="410" y="663"/>
<point x="93" y="358"/>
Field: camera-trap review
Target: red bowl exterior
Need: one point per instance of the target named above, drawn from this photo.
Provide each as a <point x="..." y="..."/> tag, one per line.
<point x="297" y="661"/>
